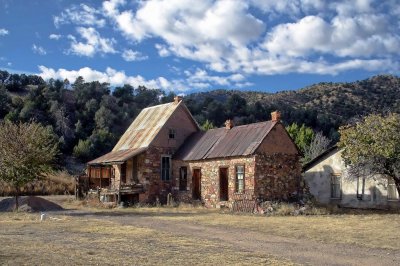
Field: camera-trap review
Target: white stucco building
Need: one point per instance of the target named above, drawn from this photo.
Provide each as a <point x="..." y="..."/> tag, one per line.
<point x="328" y="181"/>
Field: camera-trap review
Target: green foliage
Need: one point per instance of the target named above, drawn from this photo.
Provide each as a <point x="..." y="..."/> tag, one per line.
<point x="373" y="145"/>
<point x="30" y="154"/>
<point x="83" y="150"/>
<point x="207" y="125"/>
<point x="302" y="135"/>
<point x="5" y="101"/>
<point x="93" y="111"/>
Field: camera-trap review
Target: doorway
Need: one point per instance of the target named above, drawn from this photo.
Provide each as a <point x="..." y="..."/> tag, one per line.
<point x="196" y="184"/>
<point x="223" y="184"/>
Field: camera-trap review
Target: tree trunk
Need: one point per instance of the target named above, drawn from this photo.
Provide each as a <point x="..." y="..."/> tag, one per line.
<point x="16" y="198"/>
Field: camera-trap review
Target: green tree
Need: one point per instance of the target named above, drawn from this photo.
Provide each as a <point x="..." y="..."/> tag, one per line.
<point x="83" y="150"/>
<point x="301" y="135"/>
<point x="27" y="152"/>
<point x="5" y="101"/>
<point x="207" y="125"/>
<point x="373" y="145"/>
<point x="236" y="105"/>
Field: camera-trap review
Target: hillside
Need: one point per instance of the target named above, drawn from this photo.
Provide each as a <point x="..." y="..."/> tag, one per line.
<point x="323" y="106"/>
<point x="89" y="117"/>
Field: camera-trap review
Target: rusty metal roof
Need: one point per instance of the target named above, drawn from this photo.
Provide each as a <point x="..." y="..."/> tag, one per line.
<point x="146" y="126"/>
<point x="117" y="157"/>
<point x="140" y="133"/>
<point x="222" y="142"/>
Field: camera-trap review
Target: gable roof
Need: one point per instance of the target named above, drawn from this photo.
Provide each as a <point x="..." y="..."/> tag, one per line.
<point x="320" y="158"/>
<point x="141" y="133"/>
<point x="222" y="142"/>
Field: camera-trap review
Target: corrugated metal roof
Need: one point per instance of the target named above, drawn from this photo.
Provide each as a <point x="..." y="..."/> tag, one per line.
<point x="145" y="127"/>
<point x="222" y="142"/>
<point x="116" y="157"/>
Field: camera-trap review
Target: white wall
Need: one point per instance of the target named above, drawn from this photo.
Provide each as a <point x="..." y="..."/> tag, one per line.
<point x="318" y="179"/>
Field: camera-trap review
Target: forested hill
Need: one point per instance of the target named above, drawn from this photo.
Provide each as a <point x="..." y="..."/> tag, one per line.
<point x="89" y="117"/>
<point x="323" y="106"/>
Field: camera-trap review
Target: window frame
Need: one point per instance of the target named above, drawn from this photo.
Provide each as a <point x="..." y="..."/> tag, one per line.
<point x="337" y="185"/>
<point x="171" y="133"/>
<point x="237" y="178"/>
<point x="162" y="170"/>
<point x="391" y="183"/>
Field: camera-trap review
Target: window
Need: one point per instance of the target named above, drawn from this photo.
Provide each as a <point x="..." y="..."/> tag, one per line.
<point x="183" y="178"/>
<point x="171" y="133"/>
<point x="240" y="178"/>
<point x="360" y="187"/>
<point x="336" y="192"/>
<point x="165" y="168"/>
<point x="392" y="190"/>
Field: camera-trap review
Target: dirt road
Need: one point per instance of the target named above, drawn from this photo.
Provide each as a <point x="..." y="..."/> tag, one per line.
<point x="297" y="250"/>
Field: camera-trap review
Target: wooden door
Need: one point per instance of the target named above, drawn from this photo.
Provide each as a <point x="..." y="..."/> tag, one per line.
<point x="196" y="181"/>
<point x="223" y="184"/>
<point x="123" y="173"/>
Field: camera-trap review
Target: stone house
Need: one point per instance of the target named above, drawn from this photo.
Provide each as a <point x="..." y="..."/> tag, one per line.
<point x="329" y="182"/>
<point x="164" y="151"/>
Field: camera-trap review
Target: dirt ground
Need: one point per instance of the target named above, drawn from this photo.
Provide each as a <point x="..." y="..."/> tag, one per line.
<point x="195" y="236"/>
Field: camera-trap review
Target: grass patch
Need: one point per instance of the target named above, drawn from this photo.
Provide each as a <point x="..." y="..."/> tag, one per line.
<point x="71" y="240"/>
<point x="371" y="230"/>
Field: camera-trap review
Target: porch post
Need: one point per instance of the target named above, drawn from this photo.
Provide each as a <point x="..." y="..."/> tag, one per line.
<point x="101" y="175"/>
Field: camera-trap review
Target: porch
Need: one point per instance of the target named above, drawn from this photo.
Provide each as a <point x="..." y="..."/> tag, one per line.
<point x="114" y="177"/>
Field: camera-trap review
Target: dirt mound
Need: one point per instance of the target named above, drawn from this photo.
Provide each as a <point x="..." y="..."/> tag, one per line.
<point x="29" y="204"/>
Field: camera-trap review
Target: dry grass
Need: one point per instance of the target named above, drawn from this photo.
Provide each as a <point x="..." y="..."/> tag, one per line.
<point x="371" y="230"/>
<point x="57" y="183"/>
<point x="70" y="240"/>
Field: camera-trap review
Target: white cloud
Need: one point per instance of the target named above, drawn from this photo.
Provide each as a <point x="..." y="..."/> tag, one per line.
<point x="80" y="15"/>
<point x="112" y="76"/>
<point x="227" y="36"/>
<point x="207" y="31"/>
<point x="198" y="79"/>
<point x="130" y="55"/>
<point x="38" y="49"/>
<point x="93" y="43"/>
<point x="162" y="50"/>
<point x="3" y="32"/>
<point x="55" y="36"/>
<point x="201" y="79"/>
<point x="359" y="36"/>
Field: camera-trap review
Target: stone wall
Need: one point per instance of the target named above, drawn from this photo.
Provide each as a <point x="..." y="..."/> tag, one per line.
<point x="269" y="176"/>
<point x="277" y="176"/>
<point x="150" y="176"/>
<point x="210" y="187"/>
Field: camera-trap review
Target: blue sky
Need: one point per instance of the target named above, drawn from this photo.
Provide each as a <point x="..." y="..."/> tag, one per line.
<point x="188" y="46"/>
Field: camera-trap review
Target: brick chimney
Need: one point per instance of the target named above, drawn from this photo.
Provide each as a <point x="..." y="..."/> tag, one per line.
<point x="177" y="99"/>
<point x="228" y="124"/>
<point x="276" y="116"/>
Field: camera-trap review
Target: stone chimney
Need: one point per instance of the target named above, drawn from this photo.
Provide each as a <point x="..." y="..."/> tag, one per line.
<point x="276" y="116"/>
<point x="228" y="124"/>
<point x="177" y="99"/>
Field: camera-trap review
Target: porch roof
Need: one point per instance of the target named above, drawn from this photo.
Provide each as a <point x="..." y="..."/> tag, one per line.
<point x="116" y="157"/>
